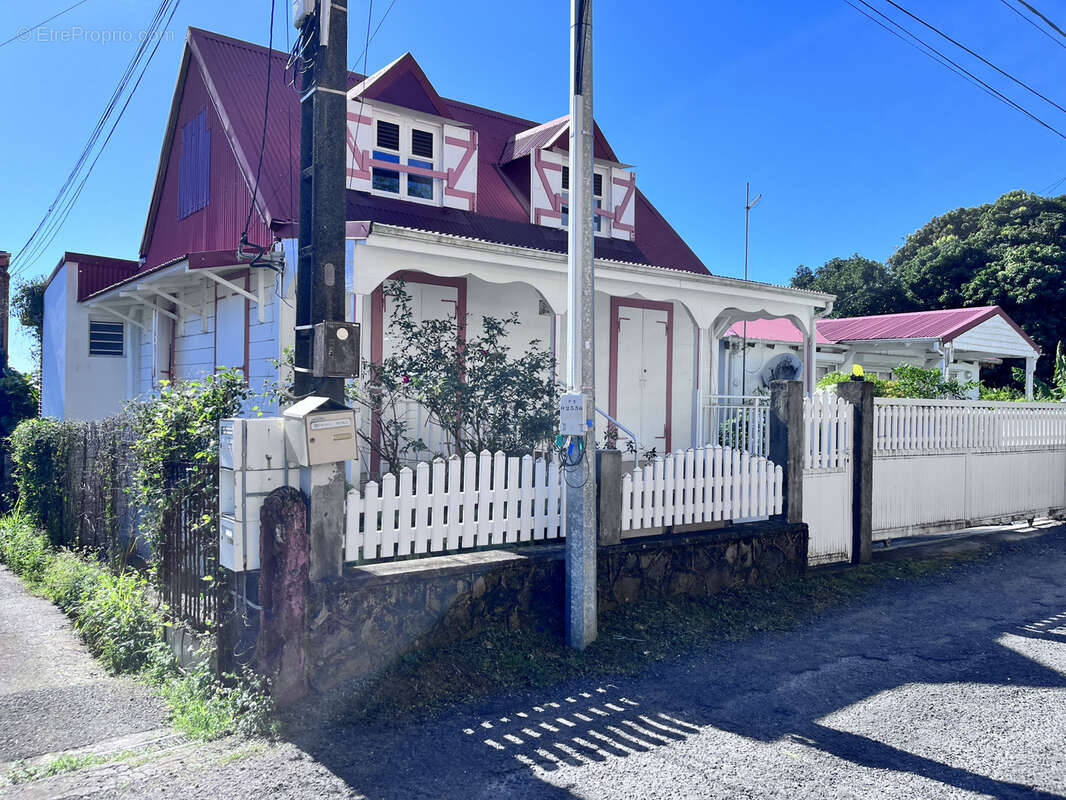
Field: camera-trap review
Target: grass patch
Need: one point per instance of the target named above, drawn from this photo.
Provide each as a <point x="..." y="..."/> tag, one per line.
<point x="630" y="638"/>
<point x="123" y="627"/>
<point x="21" y="772"/>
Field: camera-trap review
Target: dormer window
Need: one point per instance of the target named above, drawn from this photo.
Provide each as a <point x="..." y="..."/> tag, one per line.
<point x="597" y="192"/>
<point x="414" y="148"/>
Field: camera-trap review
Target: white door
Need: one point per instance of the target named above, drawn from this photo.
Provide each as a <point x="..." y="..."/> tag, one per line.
<point x="428" y="302"/>
<point x="642" y="366"/>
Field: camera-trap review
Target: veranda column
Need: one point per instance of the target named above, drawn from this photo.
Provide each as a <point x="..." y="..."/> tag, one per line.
<point x="810" y="365"/>
<point x="1030" y="370"/>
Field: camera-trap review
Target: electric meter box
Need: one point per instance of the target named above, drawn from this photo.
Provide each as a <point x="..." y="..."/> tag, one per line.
<point x="320" y="431"/>
<point x="255" y="444"/>
<point x="575" y="414"/>
<point x="336" y="353"/>
<point x="241" y="494"/>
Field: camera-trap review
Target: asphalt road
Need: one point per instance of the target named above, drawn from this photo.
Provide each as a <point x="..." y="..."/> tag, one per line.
<point x="950" y="686"/>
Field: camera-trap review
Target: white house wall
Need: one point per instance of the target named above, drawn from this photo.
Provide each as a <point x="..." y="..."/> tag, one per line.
<point x="994" y="335"/>
<point x="54" y="345"/>
<point x="76" y="385"/>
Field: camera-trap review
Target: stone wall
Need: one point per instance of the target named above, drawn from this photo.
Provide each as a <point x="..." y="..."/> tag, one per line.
<point x="359" y="624"/>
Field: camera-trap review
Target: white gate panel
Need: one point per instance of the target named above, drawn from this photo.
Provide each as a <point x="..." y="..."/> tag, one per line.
<point x="827" y="511"/>
<point x="1006" y="484"/>
<point x="828" y="430"/>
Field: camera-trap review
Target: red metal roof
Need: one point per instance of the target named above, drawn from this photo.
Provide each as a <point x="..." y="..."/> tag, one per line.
<point x="773" y="330"/>
<point x="943" y="325"/>
<point x="236" y="72"/>
<point x="911" y="325"/>
<point x="96" y="272"/>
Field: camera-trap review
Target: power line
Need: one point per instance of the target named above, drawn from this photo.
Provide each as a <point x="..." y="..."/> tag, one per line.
<point x="1049" y="22"/>
<point x="24" y="32"/>
<point x="1020" y="14"/>
<point x="920" y="46"/>
<point x="370" y="38"/>
<point x="979" y="57"/>
<point x="68" y="193"/>
<point x="999" y="95"/>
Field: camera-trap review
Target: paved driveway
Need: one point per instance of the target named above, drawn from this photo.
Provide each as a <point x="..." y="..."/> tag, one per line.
<point x="951" y="686"/>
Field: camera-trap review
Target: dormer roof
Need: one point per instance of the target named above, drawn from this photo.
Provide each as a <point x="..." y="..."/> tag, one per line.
<point x="402" y="83"/>
<point x="554" y="134"/>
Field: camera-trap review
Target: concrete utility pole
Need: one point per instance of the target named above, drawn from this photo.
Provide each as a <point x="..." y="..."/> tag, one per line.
<point x="749" y="204"/>
<point x="320" y="278"/>
<point x="581" y="534"/>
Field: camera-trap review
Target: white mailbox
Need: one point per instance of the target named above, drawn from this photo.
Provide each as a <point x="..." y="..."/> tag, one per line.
<point x="320" y="431"/>
<point x="256" y="444"/>
<point x="252" y="463"/>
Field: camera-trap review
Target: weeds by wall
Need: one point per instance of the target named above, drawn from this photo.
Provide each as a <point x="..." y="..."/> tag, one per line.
<point x="122" y="625"/>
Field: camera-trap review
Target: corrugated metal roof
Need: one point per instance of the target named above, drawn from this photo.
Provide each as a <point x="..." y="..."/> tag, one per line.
<point x="237" y="72"/>
<point x="910" y="325"/>
<point x="773" y="330"/>
<point x="943" y="325"/>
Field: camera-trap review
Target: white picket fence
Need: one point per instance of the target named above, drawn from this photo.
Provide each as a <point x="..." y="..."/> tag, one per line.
<point x="902" y="425"/>
<point x="700" y="485"/>
<point x="456" y="504"/>
<point x="828" y="423"/>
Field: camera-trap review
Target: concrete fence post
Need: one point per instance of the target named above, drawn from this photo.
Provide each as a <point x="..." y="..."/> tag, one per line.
<point x="786" y="443"/>
<point x="284" y="593"/>
<point x="861" y="396"/>
<point x="609" y="491"/>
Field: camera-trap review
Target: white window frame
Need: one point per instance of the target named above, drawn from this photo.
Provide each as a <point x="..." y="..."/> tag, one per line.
<point x="406" y="126"/>
<point x="89" y="338"/>
<point x="603" y="197"/>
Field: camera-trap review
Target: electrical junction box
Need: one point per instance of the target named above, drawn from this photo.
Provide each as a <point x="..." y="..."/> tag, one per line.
<point x="320" y="431"/>
<point x="575" y="414"/>
<point x="301" y="10"/>
<point x="335" y="353"/>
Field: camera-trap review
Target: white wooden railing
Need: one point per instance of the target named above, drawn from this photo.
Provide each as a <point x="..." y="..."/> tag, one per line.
<point x="454" y="505"/>
<point x="903" y="425"/>
<point x="827" y="427"/>
<point x="742" y="423"/>
<point x="700" y="485"/>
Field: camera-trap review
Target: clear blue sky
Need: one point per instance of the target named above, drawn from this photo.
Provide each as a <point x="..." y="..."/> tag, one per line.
<point x="854" y="138"/>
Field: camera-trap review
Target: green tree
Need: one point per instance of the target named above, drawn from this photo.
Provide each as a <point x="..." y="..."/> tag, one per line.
<point x="27" y="306"/>
<point x="1010" y="253"/>
<point x="862" y="286"/>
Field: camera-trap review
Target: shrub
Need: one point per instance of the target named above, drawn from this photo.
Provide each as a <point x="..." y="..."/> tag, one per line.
<point x="117" y="620"/>
<point x="180" y="426"/>
<point x="67" y="579"/>
<point x="23" y="549"/>
<point x="39" y="450"/>
<point x="908" y="381"/>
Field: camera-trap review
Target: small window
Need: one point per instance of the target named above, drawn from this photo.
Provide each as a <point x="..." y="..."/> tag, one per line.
<point x="597" y="193"/>
<point x="412" y="150"/>
<point x="106" y="338"/>
<point x="194" y="167"/>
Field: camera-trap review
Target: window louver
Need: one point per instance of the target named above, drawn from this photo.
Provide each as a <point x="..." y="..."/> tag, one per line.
<point x="421" y="143"/>
<point x="105" y="338"/>
<point x="388" y="135"/>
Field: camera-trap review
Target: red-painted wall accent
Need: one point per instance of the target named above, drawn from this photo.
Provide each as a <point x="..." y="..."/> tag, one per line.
<point x="218" y="225"/>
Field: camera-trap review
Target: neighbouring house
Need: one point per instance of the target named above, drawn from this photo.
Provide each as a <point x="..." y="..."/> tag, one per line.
<point x="466" y="204"/>
<point x="958" y="341"/>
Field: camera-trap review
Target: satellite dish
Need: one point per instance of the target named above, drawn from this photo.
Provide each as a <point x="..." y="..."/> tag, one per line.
<point x="783" y="367"/>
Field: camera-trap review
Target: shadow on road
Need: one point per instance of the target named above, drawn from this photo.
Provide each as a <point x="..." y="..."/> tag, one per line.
<point x="775" y="688"/>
